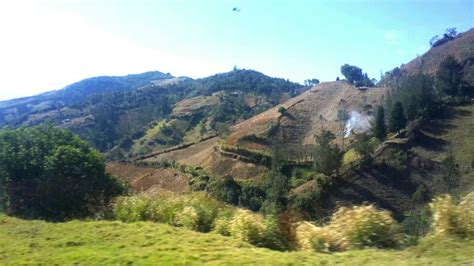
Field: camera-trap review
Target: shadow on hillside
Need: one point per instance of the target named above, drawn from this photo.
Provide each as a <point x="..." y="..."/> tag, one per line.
<point x="431" y="143"/>
<point x="441" y="126"/>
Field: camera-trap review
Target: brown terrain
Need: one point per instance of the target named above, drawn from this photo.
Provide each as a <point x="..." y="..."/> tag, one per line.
<point x="149" y="180"/>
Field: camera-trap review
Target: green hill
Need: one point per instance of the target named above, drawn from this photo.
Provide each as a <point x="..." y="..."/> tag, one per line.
<point x="103" y="242"/>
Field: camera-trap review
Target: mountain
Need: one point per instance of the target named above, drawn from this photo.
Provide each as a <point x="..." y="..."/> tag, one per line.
<point x="406" y="166"/>
<point x="17" y="110"/>
<point x="117" y="113"/>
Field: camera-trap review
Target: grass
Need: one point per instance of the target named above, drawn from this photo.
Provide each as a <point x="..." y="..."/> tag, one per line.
<point x="350" y="156"/>
<point x="110" y="242"/>
<point x="456" y="133"/>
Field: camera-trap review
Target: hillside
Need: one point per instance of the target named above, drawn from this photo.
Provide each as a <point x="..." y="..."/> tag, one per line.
<point x="104" y="242"/>
<point x="461" y="48"/>
<point x="305" y="116"/>
<point x="405" y="165"/>
<point x="14" y="111"/>
<point x="116" y="113"/>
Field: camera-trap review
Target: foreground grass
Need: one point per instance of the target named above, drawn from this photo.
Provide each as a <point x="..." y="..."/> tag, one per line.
<point x="105" y="242"/>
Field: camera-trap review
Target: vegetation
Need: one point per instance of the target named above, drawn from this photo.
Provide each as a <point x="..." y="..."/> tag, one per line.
<point x="378" y="128"/>
<point x="397" y="119"/>
<point x="311" y="82"/>
<point x="328" y="157"/>
<point x="355" y="227"/>
<point x="449" y="78"/>
<point x="449" y="35"/>
<point x="453" y="219"/>
<point x="355" y="76"/>
<point x="112" y="242"/>
<point x="450" y="173"/>
<point x="52" y="174"/>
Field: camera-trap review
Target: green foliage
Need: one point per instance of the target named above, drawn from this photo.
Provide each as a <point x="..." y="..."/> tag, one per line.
<point x="397" y="120"/>
<point x="378" y="128"/>
<point x="450" y="173"/>
<point x="281" y="110"/>
<point x="418" y="222"/>
<point x="449" y="77"/>
<point x="311" y="82"/>
<point x="364" y="146"/>
<point x="197" y="212"/>
<point x="225" y="189"/>
<point x="251" y="196"/>
<point x="328" y="157"/>
<point x="449" y="35"/>
<point x="417" y="95"/>
<point x="145" y="243"/>
<point x="50" y="173"/>
<point x="352" y="73"/>
<point x="355" y="76"/>
<point x="277" y="188"/>
<point x="453" y="219"/>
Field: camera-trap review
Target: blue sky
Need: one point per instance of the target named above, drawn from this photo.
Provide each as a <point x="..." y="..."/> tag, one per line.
<point x="46" y="45"/>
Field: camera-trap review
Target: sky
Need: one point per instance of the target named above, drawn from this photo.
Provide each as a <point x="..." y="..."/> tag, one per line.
<point x="46" y="45"/>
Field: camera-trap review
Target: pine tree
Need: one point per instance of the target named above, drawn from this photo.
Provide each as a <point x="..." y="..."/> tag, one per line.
<point x="449" y="77"/>
<point x="397" y="119"/>
<point x="379" y="128"/>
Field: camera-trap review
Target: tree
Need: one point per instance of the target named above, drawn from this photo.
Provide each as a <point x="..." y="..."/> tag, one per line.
<point x="450" y="34"/>
<point x="277" y="188"/>
<point x="449" y="77"/>
<point x="342" y="117"/>
<point x="364" y="147"/>
<point x="450" y="173"/>
<point x="311" y="82"/>
<point x="378" y="128"/>
<point x="328" y="157"/>
<point x="50" y="173"/>
<point x="352" y="73"/>
<point x="397" y="119"/>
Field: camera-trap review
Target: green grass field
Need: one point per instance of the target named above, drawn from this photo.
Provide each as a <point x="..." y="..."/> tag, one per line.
<point x="106" y="242"/>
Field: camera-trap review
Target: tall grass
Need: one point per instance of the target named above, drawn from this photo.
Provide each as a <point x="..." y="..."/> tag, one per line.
<point x="453" y="219"/>
<point x="355" y="227"/>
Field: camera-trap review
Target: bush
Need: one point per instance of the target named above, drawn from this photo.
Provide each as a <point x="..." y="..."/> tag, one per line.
<point x="355" y="227"/>
<point x="365" y="226"/>
<point x="163" y="209"/>
<point x="196" y="212"/>
<point x="452" y="219"/>
<point x="49" y="173"/>
<point x="247" y="226"/>
<point x="281" y="109"/>
<point x="200" y="214"/>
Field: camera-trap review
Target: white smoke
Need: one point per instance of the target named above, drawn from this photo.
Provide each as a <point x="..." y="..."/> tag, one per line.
<point x="357" y="123"/>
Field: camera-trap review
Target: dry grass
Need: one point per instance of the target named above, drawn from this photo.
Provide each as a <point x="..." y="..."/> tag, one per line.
<point x="147" y="179"/>
<point x="301" y="121"/>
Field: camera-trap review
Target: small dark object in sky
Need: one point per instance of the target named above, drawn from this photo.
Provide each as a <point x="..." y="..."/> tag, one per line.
<point x="236" y="9"/>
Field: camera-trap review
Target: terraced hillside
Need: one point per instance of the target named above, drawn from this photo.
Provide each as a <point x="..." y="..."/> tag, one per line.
<point x="307" y="114"/>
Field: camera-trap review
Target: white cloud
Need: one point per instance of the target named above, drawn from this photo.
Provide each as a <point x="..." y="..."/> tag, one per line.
<point x="43" y="49"/>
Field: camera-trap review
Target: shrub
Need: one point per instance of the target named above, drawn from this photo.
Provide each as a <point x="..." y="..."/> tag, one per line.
<point x="200" y="214"/>
<point x="247" y="226"/>
<point x="163" y="209"/>
<point x="47" y="172"/>
<point x="311" y="237"/>
<point x="365" y="226"/>
<point x="452" y="219"/>
<point x="222" y="225"/>
<point x="355" y="227"/>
